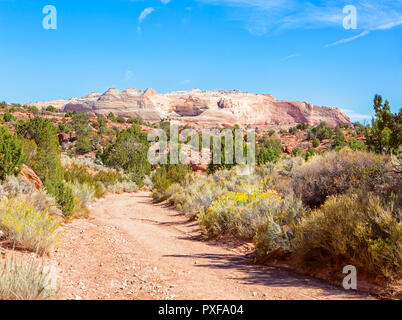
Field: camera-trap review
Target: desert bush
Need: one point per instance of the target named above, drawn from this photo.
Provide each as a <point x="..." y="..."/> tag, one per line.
<point x="7" y="117"/>
<point x="85" y="192"/>
<point x="356" y="145"/>
<point x="199" y="191"/>
<point x="385" y="133"/>
<point x="14" y="186"/>
<point x="352" y="229"/>
<point x="316" y="142"/>
<point x="286" y="167"/>
<point x="11" y="154"/>
<point x="148" y="183"/>
<point x="46" y="160"/>
<point x="241" y="214"/>
<point x="334" y="173"/>
<point x="340" y="140"/>
<point x="269" y="151"/>
<point x="64" y="197"/>
<point x="108" y="177"/>
<point x="322" y="131"/>
<point x="44" y="202"/>
<point x="25" y="280"/>
<point x="26" y="226"/>
<point x="83" y="145"/>
<point x="52" y="109"/>
<point x="24" y="189"/>
<point x="129" y="153"/>
<point x="166" y="175"/>
<point x="79" y="174"/>
<point x="124" y="186"/>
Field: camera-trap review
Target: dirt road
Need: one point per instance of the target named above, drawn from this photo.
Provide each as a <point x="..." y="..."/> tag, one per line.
<point x="132" y="249"/>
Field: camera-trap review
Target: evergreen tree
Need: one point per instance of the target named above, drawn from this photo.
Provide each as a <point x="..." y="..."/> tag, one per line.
<point x="11" y="154"/>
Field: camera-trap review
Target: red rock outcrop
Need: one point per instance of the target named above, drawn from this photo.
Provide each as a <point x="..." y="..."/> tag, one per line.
<point x="203" y="108"/>
<point x="28" y="174"/>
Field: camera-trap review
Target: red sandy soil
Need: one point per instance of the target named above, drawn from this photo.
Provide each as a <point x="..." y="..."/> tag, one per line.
<point x="131" y="249"/>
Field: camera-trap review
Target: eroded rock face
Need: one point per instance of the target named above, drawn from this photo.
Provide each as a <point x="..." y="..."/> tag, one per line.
<point x="29" y="175"/>
<point x="202" y="108"/>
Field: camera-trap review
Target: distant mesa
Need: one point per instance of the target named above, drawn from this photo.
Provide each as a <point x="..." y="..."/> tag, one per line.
<point x="202" y="108"/>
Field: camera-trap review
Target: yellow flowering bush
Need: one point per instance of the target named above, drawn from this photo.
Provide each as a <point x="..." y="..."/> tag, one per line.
<point x="241" y="214"/>
<point x="26" y="226"/>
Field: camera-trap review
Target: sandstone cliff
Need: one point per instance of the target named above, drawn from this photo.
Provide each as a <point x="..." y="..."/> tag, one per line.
<point x="202" y="108"/>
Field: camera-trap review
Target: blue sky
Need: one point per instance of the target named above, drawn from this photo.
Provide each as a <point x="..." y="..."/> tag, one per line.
<point x="294" y="50"/>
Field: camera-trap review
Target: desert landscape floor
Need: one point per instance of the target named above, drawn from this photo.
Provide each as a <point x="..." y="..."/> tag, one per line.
<point x="129" y="248"/>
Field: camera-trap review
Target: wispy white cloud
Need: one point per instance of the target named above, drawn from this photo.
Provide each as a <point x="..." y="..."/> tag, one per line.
<point x="145" y="13"/>
<point x="262" y="16"/>
<point x="355" y="116"/>
<point x="294" y="55"/>
<point x="360" y="35"/>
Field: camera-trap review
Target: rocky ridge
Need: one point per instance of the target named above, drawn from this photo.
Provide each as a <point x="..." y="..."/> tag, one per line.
<point x="202" y="108"/>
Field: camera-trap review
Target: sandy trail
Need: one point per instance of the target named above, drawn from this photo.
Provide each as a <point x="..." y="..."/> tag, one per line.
<point x="132" y="249"/>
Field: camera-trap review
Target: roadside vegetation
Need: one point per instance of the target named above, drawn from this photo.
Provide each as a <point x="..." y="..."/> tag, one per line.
<point x="329" y="208"/>
<point x="331" y="200"/>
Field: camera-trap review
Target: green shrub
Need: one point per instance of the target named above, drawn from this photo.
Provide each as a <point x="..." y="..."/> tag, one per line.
<point x="316" y="142"/>
<point x="84" y="144"/>
<point x="11" y="154"/>
<point x="64" y="196"/>
<point x="129" y="152"/>
<point x="111" y="117"/>
<point x="46" y="161"/>
<point x="302" y="126"/>
<point x="68" y="114"/>
<point x="321" y="132"/>
<point x="51" y="109"/>
<point x="385" y="133"/>
<point x="296" y="152"/>
<point x="309" y="153"/>
<point x="34" y="110"/>
<point x="269" y="151"/>
<point x="7" y="117"/>
<point x="340" y="140"/>
<point x="357" y="145"/>
<point x="108" y="177"/>
<point x="120" y="120"/>
<point x="136" y="120"/>
<point x="351" y="229"/>
<point x="166" y="175"/>
<point x="334" y="173"/>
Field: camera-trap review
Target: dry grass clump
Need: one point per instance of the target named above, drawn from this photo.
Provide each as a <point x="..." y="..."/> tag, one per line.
<point x="13" y="186"/>
<point x="25" y="190"/>
<point x="335" y="173"/>
<point x="352" y="229"/>
<point x="25" y="280"/>
<point x="124" y="186"/>
<point x="25" y="226"/>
